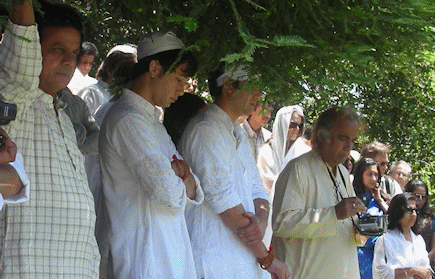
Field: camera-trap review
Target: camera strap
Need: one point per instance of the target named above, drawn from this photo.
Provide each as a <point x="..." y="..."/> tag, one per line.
<point x="337" y="188"/>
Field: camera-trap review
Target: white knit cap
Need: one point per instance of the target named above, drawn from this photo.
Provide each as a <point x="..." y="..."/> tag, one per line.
<point x="157" y="42"/>
<point x="123" y="48"/>
<point x="233" y="73"/>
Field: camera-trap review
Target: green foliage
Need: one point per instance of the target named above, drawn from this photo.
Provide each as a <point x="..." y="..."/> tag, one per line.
<point x="376" y="56"/>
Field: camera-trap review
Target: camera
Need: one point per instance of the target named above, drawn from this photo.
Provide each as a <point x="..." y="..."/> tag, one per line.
<point x="372" y="225"/>
<point x="8" y="112"/>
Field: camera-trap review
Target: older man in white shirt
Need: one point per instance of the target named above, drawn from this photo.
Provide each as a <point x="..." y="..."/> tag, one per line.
<point x="146" y="185"/>
<point x="216" y="147"/>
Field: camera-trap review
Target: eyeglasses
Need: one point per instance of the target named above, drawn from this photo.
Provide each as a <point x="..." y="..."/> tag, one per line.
<point x="409" y="210"/>
<point x="420" y="197"/>
<point x="295" y="124"/>
<point x="383" y="164"/>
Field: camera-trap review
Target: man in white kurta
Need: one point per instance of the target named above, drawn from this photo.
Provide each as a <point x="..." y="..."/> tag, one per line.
<point x="220" y="155"/>
<point x="217" y="149"/>
<point x="310" y="233"/>
<point x="144" y="195"/>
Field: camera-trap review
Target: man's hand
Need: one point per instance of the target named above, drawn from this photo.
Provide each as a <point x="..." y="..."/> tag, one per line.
<point x="420" y="272"/>
<point x="182" y="170"/>
<point x="252" y="233"/>
<point x="278" y="270"/>
<point x="9" y="149"/>
<point x="348" y="207"/>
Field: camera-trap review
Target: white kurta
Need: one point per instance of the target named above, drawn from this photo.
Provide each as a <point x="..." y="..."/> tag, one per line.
<point x="219" y="153"/>
<point x="79" y="81"/>
<point x="95" y="95"/>
<point x="307" y="234"/>
<point x="145" y="199"/>
<point x="399" y="253"/>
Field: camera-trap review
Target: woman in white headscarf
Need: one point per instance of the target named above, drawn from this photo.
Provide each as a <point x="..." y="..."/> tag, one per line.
<point x="285" y="145"/>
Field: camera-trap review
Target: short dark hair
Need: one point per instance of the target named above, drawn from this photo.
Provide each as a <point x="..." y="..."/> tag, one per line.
<point x="396" y="209"/>
<point x="177" y="116"/>
<point x="215" y="90"/>
<point x="57" y="15"/>
<point x="166" y="60"/>
<point x="4" y="13"/>
<point x="360" y="168"/>
<point x="110" y="63"/>
<point x="328" y="119"/>
<point x="87" y="48"/>
<point x="122" y="73"/>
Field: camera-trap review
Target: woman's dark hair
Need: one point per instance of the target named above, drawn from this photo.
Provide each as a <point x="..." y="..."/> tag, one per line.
<point x="425" y="211"/>
<point x="58" y="15"/>
<point x="396" y="209"/>
<point x="110" y="63"/>
<point x="177" y="116"/>
<point x="360" y="168"/>
<point x="166" y="60"/>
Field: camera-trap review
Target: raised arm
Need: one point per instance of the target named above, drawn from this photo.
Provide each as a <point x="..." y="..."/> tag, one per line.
<point x="23" y="13"/>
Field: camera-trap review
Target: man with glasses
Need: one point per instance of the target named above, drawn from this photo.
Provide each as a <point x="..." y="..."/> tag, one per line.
<point x="379" y="152"/>
<point x="400" y="171"/>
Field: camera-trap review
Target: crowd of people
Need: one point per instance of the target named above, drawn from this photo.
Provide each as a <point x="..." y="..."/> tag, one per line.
<point x="153" y="182"/>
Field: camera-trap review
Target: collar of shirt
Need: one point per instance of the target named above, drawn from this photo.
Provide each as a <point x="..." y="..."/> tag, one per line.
<point x="78" y="73"/>
<point x="139" y="102"/>
<point x="224" y="117"/>
<point x="251" y="133"/>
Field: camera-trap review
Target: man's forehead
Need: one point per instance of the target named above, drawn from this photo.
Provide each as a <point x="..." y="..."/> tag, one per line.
<point x="61" y="35"/>
<point x="182" y="70"/>
<point x="346" y="127"/>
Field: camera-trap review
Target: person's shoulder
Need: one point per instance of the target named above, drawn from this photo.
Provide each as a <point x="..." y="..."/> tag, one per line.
<point x="266" y="133"/>
<point x="203" y="122"/>
<point x="304" y="158"/>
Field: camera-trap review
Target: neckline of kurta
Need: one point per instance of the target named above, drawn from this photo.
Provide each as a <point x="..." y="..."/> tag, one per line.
<point x="225" y="118"/>
<point x="143" y="105"/>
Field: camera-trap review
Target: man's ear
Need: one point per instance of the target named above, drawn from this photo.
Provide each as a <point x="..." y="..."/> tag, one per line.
<point x="154" y="68"/>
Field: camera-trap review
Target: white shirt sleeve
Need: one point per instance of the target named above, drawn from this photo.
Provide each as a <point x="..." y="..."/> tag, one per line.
<point x="212" y="165"/>
<point x="24" y="194"/>
<point x="381" y="269"/>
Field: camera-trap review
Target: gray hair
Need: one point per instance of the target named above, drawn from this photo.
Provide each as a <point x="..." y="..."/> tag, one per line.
<point x="404" y="164"/>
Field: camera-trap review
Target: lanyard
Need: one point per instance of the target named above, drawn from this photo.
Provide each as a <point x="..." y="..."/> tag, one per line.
<point x="336" y="186"/>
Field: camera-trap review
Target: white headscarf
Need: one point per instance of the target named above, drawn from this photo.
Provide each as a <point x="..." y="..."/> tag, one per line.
<point x="279" y="134"/>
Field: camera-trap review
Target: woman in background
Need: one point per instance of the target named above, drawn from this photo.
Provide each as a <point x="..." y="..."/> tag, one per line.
<point x="366" y="185"/>
<point x="273" y="156"/>
<point x="424" y="225"/>
<point x="400" y="253"/>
